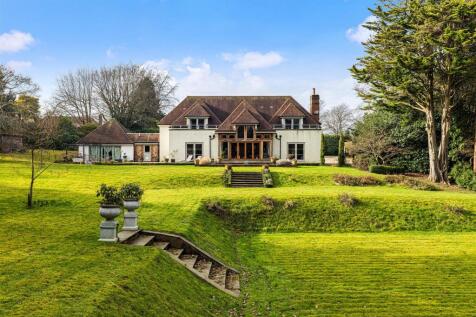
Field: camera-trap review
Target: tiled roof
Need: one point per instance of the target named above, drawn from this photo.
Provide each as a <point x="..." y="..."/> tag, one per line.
<point x="245" y="117"/>
<point x="112" y="132"/>
<point x="144" y="137"/>
<point x="290" y="109"/>
<point x="263" y="108"/>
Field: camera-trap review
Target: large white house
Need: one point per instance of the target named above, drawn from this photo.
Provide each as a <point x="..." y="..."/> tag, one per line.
<point x="229" y="129"/>
<point x="242" y="129"/>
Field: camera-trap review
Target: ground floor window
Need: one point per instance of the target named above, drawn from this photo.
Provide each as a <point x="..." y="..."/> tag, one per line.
<point x="105" y="153"/>
<point x="194" y="149"/>
<point x="296" y="151"/>
<point x="253" y="150"/>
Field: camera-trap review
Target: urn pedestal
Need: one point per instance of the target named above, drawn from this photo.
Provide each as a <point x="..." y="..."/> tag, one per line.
<point x="130" y="216"/>
<point x="108" y="228"/>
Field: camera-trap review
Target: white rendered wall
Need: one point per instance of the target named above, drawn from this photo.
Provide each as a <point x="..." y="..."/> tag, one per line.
<point x="310" y="138"/>
<point x="128" y="150"/>
<point x="178" y="138"/>
<point x="164" y="142"/>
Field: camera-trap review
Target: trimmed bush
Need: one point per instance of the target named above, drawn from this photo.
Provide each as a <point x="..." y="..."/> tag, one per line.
<point x="323" y="149"/>
<point x="385" y="169"/>
<point x="349" y="180"/>
<point x="331" y="144"/>
<point x="341" y="154"/>
<point x="227" y="177"/>
<point x="348" y="200"/>
<point x="410" y="182"/>
<point x="463" y="176"/>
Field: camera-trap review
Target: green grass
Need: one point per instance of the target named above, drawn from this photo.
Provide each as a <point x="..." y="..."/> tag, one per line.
<point x="52" y="263"/>
<point x="385" y="274"/>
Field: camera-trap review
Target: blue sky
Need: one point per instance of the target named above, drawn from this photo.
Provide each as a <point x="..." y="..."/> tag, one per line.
<point x="208" y="47"/>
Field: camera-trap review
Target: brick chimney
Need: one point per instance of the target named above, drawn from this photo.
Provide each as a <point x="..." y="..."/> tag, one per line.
<point x="315" y="104"/>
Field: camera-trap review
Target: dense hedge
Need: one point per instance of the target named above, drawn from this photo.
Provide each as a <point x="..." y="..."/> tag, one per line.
<point x="331" y="144"/>
<point x="385" y="169"/>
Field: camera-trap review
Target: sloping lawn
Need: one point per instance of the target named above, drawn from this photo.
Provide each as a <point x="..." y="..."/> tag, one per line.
<point x="359" y="274"/>
<point x="52" y="263"/>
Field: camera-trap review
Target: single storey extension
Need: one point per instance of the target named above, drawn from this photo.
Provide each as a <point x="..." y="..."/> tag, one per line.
<point x="112" y="142"/>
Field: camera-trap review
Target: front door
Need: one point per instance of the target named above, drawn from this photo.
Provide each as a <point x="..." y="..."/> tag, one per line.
<point x="147" y="155"/>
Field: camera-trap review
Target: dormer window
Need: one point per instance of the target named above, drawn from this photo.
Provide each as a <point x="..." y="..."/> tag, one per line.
<point x="197" y="123"/>
<point x="292" y="123"/>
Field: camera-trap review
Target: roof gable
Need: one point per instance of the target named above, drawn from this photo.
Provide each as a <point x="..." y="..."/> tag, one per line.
<point x="112" y="132"/>
<point x="244" y="113"/>
<point x="198" y="110"/>
<point x="290" y="109"/>
<point x="245" y="117"/>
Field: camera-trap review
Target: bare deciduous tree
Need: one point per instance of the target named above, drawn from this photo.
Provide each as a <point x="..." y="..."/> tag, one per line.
<point x="116" y="87"/>
<point x="11" y="86"/>
<point x="338" y="119"/>
<point x="41" y="134"/>
<point x="75" y="96"/>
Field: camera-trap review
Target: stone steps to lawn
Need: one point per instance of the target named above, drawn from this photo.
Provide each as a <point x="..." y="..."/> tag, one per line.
<point x="186" y="253"/>
<point x="246" y="179"/>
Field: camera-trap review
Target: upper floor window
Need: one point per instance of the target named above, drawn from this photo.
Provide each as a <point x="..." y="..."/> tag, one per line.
<point x="245" y="132"/>
<point x="197" y="123"/>
<point x="292" y="123"/>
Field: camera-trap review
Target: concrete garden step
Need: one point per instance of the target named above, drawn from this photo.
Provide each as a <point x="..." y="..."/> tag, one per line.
<point x="189" y="260"/>
<point x="175" y="252"/>
<point x="218" y="274"/>
<point x="197" y="261"/>
<point x="232" y="281"/>
<point x="142" y="240"/>
<point x="127" y="234"/>
<point x="161" y="244"/>
<point x="203" y="266"/>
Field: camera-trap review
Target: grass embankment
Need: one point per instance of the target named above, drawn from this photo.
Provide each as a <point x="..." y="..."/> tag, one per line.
<point x="52" y="263"/>
<point x="360" y="274"/>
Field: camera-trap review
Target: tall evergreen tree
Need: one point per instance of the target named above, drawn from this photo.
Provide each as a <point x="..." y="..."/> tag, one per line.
<point x="420" y="56"/>
<point x="323" y="149"/>
<point x="341" y="154"/>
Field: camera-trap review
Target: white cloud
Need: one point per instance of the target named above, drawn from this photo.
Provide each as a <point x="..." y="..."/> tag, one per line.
<point x="157" y="65"/>
<point x="360" y="34"/>
<point x="19" y="65"/>
<point x="338" y="91"/>
<point x="202" y="80"/>
<point x="187" y="60"/>
<point x="253" y="60"/>
<point x="15" y="41"/>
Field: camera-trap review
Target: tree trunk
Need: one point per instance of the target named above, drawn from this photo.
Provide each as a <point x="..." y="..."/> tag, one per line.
<point x="444" y="142"/>
<point x="435" y="170"/>
<point x="32" y="180"/>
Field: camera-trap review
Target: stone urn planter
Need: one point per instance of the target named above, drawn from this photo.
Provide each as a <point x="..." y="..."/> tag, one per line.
<point x="130" y="216"/>
<point x="108" y="228"/>
<point x="109" y="209"/>
<point x="131" y="194"/>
